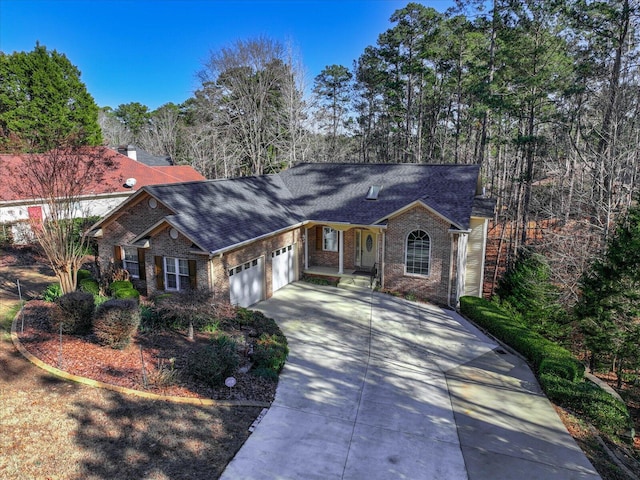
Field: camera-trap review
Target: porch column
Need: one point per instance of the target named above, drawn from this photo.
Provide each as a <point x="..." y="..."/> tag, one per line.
<point x="306" y="248"/>
<point x="340" y="251"/>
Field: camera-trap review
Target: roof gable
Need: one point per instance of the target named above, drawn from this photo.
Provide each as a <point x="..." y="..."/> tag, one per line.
<point x="218" y="214"/>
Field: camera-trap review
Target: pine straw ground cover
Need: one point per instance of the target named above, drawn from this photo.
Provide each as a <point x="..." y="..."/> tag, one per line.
<point x="154" y="362"/>
<point x="53" y="429"/>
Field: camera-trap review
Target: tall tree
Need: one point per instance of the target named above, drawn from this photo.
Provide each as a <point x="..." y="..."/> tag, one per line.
<point x="246" y="89"/>
<point x="609" y="307"/>
<point x="332" y="87"/>
<point x="135" y="117"/>
<point x="43" y="102"/>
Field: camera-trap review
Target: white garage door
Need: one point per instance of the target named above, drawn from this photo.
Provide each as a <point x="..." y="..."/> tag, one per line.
<point x="283" y="266"/>
<point x="246" y="283"/>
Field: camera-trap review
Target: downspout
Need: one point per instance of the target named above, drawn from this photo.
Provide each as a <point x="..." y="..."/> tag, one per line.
<point x="384" y="245"/>
<point x="450" y="272"/>
<point x="306" y="248"/>
<point x="341" y="252"/>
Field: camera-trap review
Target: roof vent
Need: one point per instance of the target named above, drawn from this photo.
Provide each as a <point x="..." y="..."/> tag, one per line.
<point x="374" y="191"/>
<point x="130" y="182"/>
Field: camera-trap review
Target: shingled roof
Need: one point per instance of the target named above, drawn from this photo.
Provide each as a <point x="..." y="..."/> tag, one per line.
<point x="114" y="178"/>
<point x="336" y="192"/>
<point x="219" y="214"/>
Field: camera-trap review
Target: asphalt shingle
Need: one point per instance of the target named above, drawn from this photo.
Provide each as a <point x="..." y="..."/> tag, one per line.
<point x="219" y="214"/>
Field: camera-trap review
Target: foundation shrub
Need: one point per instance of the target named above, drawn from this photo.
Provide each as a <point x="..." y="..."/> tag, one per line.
<point x="83" y="274"/>
<point x="74" y="313"/>
<point x="89" y="285"/>
<point x="181" y="309"/>
<point x="116" y="322"/>
<point x="212" y="363"/>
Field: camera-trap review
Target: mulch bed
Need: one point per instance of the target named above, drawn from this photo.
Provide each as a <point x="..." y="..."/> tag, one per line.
<point x="153" y="362"/>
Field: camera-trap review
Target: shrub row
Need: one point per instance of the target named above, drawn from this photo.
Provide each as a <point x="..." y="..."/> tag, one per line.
<point x="545" y="355"/>
<point x="561" y="375"/>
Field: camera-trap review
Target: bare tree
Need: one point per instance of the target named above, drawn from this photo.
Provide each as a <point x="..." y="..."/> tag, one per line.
<point x="248" y="91"/>
<point x="58" y="180"/>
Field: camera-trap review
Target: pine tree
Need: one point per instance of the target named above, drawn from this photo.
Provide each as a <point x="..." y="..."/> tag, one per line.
<point x="43" y="102"/>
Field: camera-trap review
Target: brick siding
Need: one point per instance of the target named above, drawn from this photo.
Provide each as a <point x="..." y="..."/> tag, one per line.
<point x="435" y="286"/>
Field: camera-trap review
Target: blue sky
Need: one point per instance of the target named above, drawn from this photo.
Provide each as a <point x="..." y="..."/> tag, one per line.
<point x="149" y="51"/>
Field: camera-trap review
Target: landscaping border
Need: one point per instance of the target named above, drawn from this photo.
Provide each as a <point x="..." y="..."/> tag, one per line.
<point x="124" y="390"/>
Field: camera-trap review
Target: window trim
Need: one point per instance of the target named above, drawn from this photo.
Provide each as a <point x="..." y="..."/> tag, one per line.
<point x="180" y="278"/>
<point x="130" y="262"/>
<point x="326" y="231"/>
<point x="406" y="254"/>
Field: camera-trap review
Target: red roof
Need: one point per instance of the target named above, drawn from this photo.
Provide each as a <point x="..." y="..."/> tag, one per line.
<point x="114" y="177"/>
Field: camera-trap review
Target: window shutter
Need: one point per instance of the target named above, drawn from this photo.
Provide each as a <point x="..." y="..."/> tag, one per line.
<point x="192" y="275"/>
<point x="159" y="273"/>
<point x="319" y="235"/>
<point x="141" y="266"/>
<point x="117" y="256"/>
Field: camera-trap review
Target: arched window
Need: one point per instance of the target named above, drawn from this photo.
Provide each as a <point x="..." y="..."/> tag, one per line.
<point x="418" y="253"/>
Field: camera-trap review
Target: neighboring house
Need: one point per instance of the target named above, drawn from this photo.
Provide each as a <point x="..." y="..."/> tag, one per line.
<point x="421" y="228"/>
<point x="121" y="181"/>
<point x="145" y="157"/>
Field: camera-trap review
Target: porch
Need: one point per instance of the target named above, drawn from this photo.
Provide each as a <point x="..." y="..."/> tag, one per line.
<point x="366" y="278"/>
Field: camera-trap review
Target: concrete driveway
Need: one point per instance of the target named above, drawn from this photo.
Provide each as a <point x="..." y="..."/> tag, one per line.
<point x="380" y="388"/>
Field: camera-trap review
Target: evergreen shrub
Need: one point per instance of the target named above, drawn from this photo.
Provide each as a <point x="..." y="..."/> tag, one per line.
<point x="116" y="322"/>
<point x="75" y="313"/>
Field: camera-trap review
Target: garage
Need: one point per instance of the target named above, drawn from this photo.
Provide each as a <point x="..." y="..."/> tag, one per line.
<point x="246" y="283"/>
<point x="283" y="266"/>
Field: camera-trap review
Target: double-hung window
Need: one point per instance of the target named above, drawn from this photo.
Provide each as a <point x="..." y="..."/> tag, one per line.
<point x="176" y="273"/>
<point x="329" y="239"/>
<point x="130" y="261"/>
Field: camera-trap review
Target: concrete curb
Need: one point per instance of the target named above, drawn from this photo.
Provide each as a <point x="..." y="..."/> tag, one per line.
<point x="205" y="402"/>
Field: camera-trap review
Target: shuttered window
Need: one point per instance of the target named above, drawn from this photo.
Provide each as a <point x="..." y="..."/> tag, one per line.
<point x="179" y="274"/>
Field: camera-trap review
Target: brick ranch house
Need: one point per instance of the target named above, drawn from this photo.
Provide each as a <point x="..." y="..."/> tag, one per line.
<point x="421" y="228"/>
<point x="121" y="180"/>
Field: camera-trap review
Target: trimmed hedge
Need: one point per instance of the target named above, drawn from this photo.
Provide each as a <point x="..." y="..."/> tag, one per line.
<point x="83" y="274"/>
<point x="75" y="313"/>
<point x="545" y="355"/>
<point x="123" y="289"/>
<point x="561" y="375"/>
<point x="89" y="285"/>
<point x="116" y="322"/>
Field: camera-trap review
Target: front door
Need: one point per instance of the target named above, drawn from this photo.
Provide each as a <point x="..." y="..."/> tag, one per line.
<point x="366" y="248"/>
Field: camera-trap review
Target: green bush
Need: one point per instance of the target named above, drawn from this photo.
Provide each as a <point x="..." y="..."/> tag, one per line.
<point x="604" y="411"/>
<point x="52" y="292"/>
<point x="89" y="285"/>
<point x="214" y="362"/>
<point x="127" y="293"/>
<point x="74" y="314"/>
<point x="120" y="285"/>
<point x="545" y="355"/>
<point x="116" y="322"/>
<point x="270" y="352"/>
<point x="83" y="275"/>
